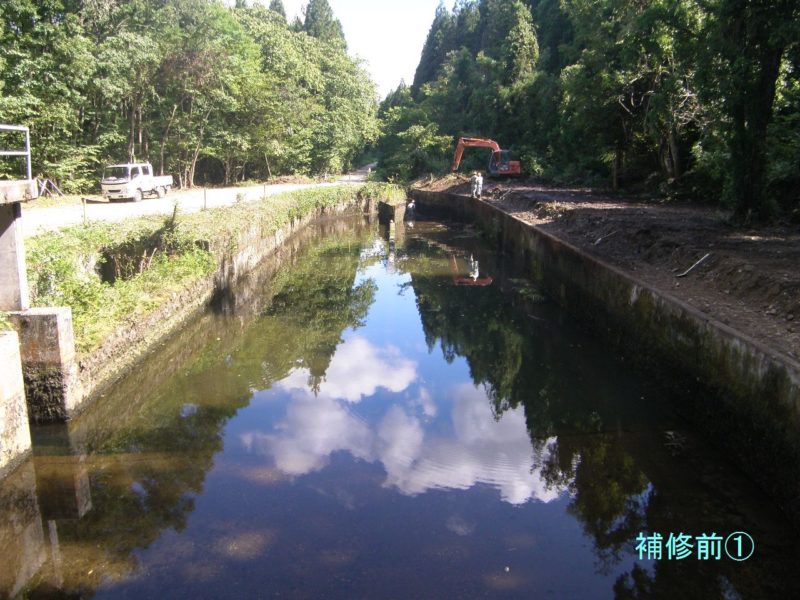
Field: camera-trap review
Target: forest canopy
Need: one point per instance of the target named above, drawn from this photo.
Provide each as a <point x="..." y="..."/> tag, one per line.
<point x="689" y="98"/>
<point x="205" y="91"/>
<point x="678" y="97"/>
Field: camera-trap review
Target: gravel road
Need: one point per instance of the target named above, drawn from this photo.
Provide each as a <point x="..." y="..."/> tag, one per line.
<point x="36" y="219"/>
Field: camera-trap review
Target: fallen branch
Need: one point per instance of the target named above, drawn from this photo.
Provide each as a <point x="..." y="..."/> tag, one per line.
<point x="503" y="195"/>
<point x="600" y="239"/>
<point x="694" y="266"/>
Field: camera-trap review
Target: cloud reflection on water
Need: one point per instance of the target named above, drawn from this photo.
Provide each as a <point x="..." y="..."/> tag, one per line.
<point x="416" y="454"/>
<point x="357" y="370"/>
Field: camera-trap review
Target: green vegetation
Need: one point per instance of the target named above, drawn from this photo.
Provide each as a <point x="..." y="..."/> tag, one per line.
<point x="697" y="99"/>
<point x="207" y="92"/>
<point x="112" y="274"/>
<point x="64" y="269"/>
<point x="388" y="192"/>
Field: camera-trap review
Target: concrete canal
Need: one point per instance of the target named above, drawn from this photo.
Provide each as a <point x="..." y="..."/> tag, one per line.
<point x="390" y="415"/>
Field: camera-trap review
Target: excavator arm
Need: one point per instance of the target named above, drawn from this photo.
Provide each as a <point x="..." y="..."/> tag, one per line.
<point x="465" y="142"/>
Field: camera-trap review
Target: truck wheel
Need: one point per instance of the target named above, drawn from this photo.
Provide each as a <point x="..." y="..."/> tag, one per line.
<point x="161" y="192"/>
<point x="137" y="195"/>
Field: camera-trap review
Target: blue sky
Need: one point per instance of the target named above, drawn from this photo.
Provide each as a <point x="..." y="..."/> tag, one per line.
<point x="388" y="34"/>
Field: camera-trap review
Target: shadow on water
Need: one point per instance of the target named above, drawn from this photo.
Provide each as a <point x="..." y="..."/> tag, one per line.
<point x="493" y="450"/>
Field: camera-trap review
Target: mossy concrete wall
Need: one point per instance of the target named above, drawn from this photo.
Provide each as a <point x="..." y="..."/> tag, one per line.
<point x="47" y="349"/>
<point x="745" y="395"/>
<point x="15" y="437"/>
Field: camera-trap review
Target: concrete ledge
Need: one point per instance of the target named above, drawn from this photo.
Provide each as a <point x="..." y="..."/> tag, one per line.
<point x="18" y="191"/>
<point x="15" y="437"/>
<point x="751" y="401"/>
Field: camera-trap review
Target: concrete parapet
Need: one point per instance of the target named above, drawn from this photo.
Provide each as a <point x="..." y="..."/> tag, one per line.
<point x="50" y="372"/>
<point x="15" y="436"/>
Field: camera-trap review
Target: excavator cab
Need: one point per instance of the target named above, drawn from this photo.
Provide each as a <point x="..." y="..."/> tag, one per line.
<point x="500" y="162"/>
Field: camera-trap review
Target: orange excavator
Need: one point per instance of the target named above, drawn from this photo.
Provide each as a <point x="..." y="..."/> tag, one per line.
<point x="499" y="162"/>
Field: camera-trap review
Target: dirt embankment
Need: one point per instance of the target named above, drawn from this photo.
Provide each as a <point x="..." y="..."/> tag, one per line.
<point x="750" y="279"/>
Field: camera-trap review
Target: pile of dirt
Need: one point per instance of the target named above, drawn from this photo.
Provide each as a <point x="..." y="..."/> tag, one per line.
<point x="748" y="278"/>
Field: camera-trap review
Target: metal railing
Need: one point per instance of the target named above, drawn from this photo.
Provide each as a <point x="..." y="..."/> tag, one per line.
<point x="26" y="153"/>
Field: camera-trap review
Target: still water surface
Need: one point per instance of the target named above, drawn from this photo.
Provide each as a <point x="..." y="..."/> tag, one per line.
<point x="382" y="419"/>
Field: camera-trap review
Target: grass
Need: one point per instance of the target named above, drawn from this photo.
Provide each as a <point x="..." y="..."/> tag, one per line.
<point x="390" y="193"/>
<point x="63" y="271"/>
<point x="64" y="266"/>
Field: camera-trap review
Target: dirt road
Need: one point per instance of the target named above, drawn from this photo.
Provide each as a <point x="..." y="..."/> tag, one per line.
<point x="37" y="219"/>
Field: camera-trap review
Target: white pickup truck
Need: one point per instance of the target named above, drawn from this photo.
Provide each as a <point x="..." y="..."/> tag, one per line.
<point x="133" y="180"/>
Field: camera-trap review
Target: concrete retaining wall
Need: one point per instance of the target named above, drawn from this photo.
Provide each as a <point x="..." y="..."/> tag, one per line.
<point x="15" y="437"/>
<point x="751" y="395"/>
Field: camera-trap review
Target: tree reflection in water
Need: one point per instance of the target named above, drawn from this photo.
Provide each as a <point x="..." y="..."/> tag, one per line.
<point x="604" y="445"/>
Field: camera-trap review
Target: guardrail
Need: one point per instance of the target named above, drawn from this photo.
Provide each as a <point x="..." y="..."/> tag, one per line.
<point x="26" y="153"/>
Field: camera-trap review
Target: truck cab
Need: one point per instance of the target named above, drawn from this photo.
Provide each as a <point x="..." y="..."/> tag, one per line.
<point x="133" y="181"/>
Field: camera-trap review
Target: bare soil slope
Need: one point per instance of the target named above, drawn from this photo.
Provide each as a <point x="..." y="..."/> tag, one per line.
<point x="750" y="280"/>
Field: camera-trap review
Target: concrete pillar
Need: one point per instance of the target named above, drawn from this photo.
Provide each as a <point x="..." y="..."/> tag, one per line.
<point x="47" y="348"/>
<point x="391" y="212"/>
<point x="13" y="277"/>
<point x="15" y="435"/>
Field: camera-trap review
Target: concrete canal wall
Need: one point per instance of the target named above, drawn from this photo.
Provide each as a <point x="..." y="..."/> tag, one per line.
<point x="750" y="398"/>
<point x="15" y="437"/>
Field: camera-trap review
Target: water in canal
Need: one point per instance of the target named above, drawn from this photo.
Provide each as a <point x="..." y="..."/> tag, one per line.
<point x="386" y="419"/>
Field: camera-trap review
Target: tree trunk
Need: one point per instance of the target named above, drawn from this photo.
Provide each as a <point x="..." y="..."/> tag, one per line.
<point x="131" y="133"/>
<point x="751" y="116"/>
<point x="193" y="166"/>
<point x="166" y="135"/>
<point x="674" y="154"/>
<point x="266" y="160"/>
<point x="616" y="168"/>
